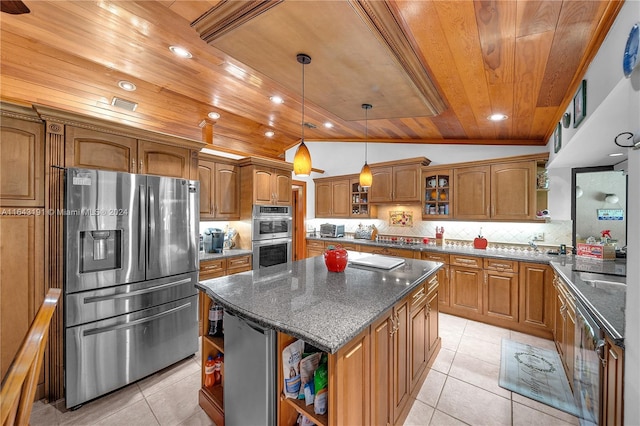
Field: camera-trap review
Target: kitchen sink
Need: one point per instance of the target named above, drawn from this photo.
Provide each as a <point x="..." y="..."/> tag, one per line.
<point x="604" y="282"/>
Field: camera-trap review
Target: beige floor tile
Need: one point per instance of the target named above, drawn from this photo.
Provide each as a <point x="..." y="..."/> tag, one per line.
<point x="478" y="373"/>
<point x="200" y="418"/>
<point x="441" y="419"/>
<point x="538" y="406"/>
<point x="523" y="415"/>
<point x="432" y="387"/>
<point x="443" y="360"/>
<point x="168" y="376"/>
<point x="450" y="340"/>
<point x="481" y="349"/>
<point x="474" y="405"/>
<point x="533" y="340"/>
<point x="44" y="414"/>
<point x="138" y="414"/>
<point x="176" y="403"/>
<point x="420" y="414"/>
<point x="486" y="332"/>
<point x="452" y="323"/>
<point x="98" y="409"/>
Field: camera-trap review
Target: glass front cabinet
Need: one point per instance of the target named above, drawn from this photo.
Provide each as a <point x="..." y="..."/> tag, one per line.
<point x="438" y="195"/>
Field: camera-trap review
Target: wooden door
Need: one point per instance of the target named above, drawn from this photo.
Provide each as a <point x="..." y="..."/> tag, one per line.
<point x="406" y="184"/>
<point x="282" y="187"/>
<point x="472" y="192"/>
<point x="353" y="365"/>
<point x="163" y="160"/>
<point x="613" y="385"/>
<point x="22" y="277"/>
<point x="227" y="191"/>
<point x="560" y="321"/>
<point x="93" y="149"/>
<point x="570" y="340"/>
<point x="466" y="288"/>
<point x="433" y="326"/>
<point x="382" y="332"/>
<point x="324" y="198"/>
<point x="513" y="191"/>
<point x="22" y="155"/>
<point x="263" y="178"/>
<point x="206" y="173"/>
<point x="401" y="359"/>
<point x="340" y="197"/>
<point x="418" y="342"/>
<point x="536" y="295"/>
<point x="382" y="185"/>
<point x="501" y="295"/>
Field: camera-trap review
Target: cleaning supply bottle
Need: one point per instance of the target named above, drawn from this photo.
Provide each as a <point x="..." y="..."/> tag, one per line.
<point x="209" y="368"/>
<point x="218" y="368"/>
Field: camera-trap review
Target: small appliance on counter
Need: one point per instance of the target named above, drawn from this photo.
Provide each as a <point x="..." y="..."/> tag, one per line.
<point x="331" y="231"/>
<point x="213" y="240"/>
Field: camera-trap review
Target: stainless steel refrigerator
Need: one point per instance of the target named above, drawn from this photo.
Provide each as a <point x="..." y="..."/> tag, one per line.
<point x="131" y="264"/>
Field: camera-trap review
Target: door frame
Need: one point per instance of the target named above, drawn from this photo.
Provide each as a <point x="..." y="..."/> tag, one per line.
<point x="299" y="207"/>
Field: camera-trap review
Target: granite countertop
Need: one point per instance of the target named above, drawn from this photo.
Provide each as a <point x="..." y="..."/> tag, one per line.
<point x="225" y="253"/>
<point x="303" y="299"/>
<point x="607" y="305"/>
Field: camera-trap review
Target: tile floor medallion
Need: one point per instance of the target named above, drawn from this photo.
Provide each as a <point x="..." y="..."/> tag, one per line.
<point x="461" y="388"/>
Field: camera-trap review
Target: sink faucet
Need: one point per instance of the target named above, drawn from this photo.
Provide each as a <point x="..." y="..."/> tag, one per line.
<point x="533" y="245"/>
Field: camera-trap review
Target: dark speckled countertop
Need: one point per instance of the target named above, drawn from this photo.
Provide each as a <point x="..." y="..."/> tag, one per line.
<point x="305" y="300"/>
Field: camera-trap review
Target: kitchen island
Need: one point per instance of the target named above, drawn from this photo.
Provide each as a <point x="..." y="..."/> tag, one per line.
<point x="378" y="327"/>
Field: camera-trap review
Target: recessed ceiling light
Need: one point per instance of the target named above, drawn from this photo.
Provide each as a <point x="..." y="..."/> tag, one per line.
<point x="213" y="115"/>
<point x="126" y="85"/>
<point x="180" y="51"/>
<point x="497" y="117"/>
<point x="269" y="133"/>
<point x="328" y="125"/>
<point x="616" y="154"/>
<point x="276" y="99"/>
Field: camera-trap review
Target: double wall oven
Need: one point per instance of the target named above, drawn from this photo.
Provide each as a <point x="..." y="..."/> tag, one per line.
<point x="271" y="235"/>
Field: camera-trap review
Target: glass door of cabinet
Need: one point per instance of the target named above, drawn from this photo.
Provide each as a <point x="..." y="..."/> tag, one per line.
<point x="359" y="200"/>
<point x="437" y="195"/>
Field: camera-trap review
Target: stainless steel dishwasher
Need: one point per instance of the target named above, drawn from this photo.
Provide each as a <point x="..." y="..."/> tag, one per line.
<point x="250" y="372"/>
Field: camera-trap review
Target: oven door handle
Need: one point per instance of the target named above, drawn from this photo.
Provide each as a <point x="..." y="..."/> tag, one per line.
<point x="95" y="299"/>
<point x="600" y="347"/>
<point x="136" y="322"/>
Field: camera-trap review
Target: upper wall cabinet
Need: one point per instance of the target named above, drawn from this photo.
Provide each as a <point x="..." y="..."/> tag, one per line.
<point x="22" y="154"/>
<point x="332" y="197"/>
<point x="219" y="188"/>
<point x="163" y="160"/>
<point x="264" y="181"/>
<point x="397" y="181"/>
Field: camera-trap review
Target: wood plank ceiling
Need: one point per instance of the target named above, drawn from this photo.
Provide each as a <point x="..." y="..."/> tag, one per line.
<point x="523" y="58"/>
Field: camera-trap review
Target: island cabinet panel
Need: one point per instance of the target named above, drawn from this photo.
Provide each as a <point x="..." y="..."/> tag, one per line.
<point x="536" y="295"/>
<point x="613" y="385"/>
<point x="564" y="328"/>
<point x="210" y="398"/>
<point x="22" y="155"/>
<point x="400" y="385"/>
<point x="382" y="332"/>
<point x="353" y="367"/>
<point x="418" y="341"/>
<point x="93" y="149"/>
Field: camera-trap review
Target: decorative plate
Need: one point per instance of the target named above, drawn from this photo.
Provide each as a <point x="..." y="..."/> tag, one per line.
<point x="630" y="59"/>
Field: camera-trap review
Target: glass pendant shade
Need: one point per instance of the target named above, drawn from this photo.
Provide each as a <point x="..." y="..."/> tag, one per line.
<point x="365" y="176"/>
<point x="302" y="161"/>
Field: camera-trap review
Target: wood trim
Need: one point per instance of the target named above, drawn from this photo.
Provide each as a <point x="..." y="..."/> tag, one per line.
<point x="22" y="112"/>
<point x="268" y="162"/>
<point x="542" y="157"/>
<point x="385" y="23"/>
<point x="421" y="161"/>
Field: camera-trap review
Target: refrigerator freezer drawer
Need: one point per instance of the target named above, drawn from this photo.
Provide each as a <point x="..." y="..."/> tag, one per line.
<point x="96" y="305"/>
<point x="106" y="355"/>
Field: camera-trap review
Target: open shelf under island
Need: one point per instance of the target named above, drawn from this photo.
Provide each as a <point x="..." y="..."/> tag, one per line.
<point x="379" y="329"/>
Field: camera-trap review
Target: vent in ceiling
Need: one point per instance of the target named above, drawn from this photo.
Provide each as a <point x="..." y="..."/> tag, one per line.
<point x="310" y="125"/>
<point x="124" y="104"/>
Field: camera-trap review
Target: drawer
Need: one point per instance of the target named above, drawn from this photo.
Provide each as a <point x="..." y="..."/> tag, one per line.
<point x="209" y="267"/>
<point x="418" y="296"/>
<point x="239" y="264"/>
<point x="436" y="257"/>
<point x="432" y="284"/>
<point x="386" y="251"/>
<point x="501" y="265"/>
<point x="349" y="246"/>
<point x="316" y="244"/>
<point x="467" y="261"/>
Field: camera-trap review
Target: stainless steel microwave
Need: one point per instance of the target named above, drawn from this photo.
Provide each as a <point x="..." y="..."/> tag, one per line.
<point x="271" y="222"/>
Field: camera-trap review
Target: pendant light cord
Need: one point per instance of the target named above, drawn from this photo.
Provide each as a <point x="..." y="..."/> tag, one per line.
<point x="366" y="108"/>
<point x="302" y="123"/>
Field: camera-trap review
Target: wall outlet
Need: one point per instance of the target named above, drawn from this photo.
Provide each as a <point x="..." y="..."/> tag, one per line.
<point x="538" y="236"/>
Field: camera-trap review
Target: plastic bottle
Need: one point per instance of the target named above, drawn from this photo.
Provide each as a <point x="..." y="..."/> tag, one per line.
<point x="215" y="320"/>
<point x="209" y="368"/>
<point x="218" y="369"/>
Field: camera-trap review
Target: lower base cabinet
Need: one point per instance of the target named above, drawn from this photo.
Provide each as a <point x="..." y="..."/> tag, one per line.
<point x="613" y="385"/>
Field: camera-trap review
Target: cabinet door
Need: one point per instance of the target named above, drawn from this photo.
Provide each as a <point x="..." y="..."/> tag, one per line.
<point x="472" y="192"/>
<point x="22" y="155"/>
<point x="353" y="364"/>
<point x="227" y="191"/>
<point x="92" y="149"/>
<point x="466" y="288"/>
<point x="282" y="187"/>
<point x="401" y="359"/>
<point x="263" y="185"/>
<point x="513" y="194"/>
<point x="443" y="276"/>
<point x="381" y="186"/>
<point x="418" y="342"/>
<point x="324" y="198"/>
<point x="382" y="332"/>
<point x="433" y="312"/>
<point x="206" y="173"/>
<point x="163" y="160"/>
<point x="22" y="277"/>
<point x="559" y="324"/>
<point x="340" y="194"/>
<point x="315" y="248"/>
<point x="612" y="405"/>
<point x="570" y="340"/>
<point x="501" y="296"/>
<point x="406" y="184"/>
<point x="536" y="295"/>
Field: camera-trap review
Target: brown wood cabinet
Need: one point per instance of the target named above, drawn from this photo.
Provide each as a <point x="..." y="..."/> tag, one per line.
<point x="437" y="187"/>
<point x="318" y="247"/>
<point x="612" y="407"/>
<point x="382" y="359"/>
<point x="397" y="181"/>
<point x="219" y="188"/>
<point x="360" y="206"/>
<point x="443" y="275"/>
<point x="536" y="295"/>
<point x="501" y="289"/>
<point x="565" y="326"/>
<point x="332" y="197"/>
<point x="22" y="171"/>
<point x="94" y="149"/>
<point x="389" y="251"/>
<point x="264" y="181"/>
<point x="466" y="283"/>
<point x="424" y="329"/>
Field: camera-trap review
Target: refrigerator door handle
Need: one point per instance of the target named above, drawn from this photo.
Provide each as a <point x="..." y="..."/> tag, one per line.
<point x="136" y="292"/>
<point x="152" y="224"/>
<point x="136" y="322"/>
<point x="141" y="226"/>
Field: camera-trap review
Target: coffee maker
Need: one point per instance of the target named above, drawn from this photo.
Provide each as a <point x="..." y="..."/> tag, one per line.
<point x="213" y="240"/>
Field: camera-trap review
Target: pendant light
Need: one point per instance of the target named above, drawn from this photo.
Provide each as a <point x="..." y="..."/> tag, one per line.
<point x="365" y="173"/>
<point x="302" y="159"/>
